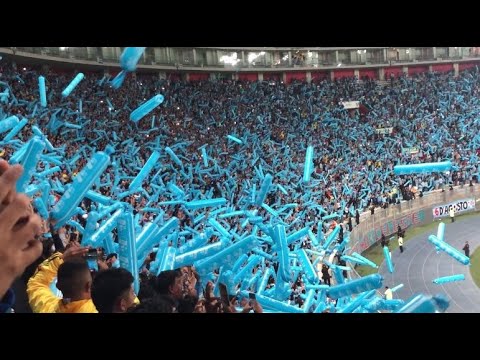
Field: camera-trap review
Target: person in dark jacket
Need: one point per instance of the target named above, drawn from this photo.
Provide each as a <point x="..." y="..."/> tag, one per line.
<point x="326" y="274"/>
<point x="383" y="241"/>
<point x="466" y="248"/>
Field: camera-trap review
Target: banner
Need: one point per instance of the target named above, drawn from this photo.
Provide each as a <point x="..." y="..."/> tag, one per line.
<point x="460" y="206"/>
<point x="410" y="150"/>
<point x="388" y="130"/>
<point x="351" y="104"/>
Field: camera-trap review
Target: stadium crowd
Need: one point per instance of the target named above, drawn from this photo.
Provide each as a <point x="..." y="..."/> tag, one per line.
<point x="425" y="118"/>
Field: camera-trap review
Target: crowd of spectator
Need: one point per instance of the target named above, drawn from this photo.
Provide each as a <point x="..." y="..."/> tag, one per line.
<point x="432" y="118"/>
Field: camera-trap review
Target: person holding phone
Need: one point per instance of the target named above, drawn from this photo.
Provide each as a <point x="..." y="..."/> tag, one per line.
<point x="228" y="306"/>
<point x="73" y="280"/>
<point x="250" y="304"/>
<point x="254" y="304"/>
<point x="20" y="230"/>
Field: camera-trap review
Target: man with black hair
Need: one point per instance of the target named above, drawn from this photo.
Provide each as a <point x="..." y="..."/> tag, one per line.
<point x="170" y="282"/>
<point x="112" y="291"/>
<point x="73" y="280"/>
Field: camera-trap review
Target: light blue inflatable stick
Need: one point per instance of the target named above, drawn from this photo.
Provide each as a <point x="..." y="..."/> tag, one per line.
<point x="331" y="237"/>
<point x="76" y="191"/>
<point x="282" y="189"/>
<point x="388" y="259"/>
<point x="239" y="262"/>
<point x="127" y="251"/>
<point x="267" y="182"/>
<point x="226" y="255"/>
<point x="204" y="252"/>
<point x="73" y="84"/>
<point x="170" y="225"/>
<point x="90" y="228"/>
<point x="441" y="231"/>
<point x="197" y="204"/>
<point x="41" y="207"/>
<point x="297" y="235"/>
<point x="217" y="226"/>
<point x="398" y="287"/>
<point x="307" y="266"/>
<point x="280" y="306"/>
<point x="353" y="259"/>
<point x="30" y="159"/>
<point x="16" y="130"/>
<point x="233" y="138"/>
<point x="231" y="214"/>
<point x="40" y="134"/>
<point x="245" y="272"/>
<point x="352" y="305"/>
<point x="130" y="56"/>
<point x="373" y="281"/>
<point x="118" y="80"/>
<point x="103" y="231"/>
<point x="99" y="198"/>
<point x="168" y="262"/>
<point x="205" y="157"/>
<point x="280" y="238"/>
<point x="42" y="91"/>
<point x="425" y="304"/>
<point x="424" y="168"/>
<point x="264" y="281"/>
<point x="47" y="172"/>
<point x="307" y="170"/>
<point x="149" y="165"/>
<point x="8" y="123"/>
<point x="450" y="250"/>
<point x="146" y="108"/>
<point x="365" y="260"/>
<point x="447" y="279"/>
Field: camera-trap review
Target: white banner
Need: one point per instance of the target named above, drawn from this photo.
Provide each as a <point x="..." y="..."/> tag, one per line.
<point x="351" y="104"/>
<point x="411" y="150"/>
<point x="388" y="130"/>
<point x="458" y="206"/>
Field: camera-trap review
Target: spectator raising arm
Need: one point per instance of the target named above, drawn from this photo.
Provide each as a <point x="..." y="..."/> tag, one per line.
<point x="74" y="282"/>
<point x="19" y="228"/>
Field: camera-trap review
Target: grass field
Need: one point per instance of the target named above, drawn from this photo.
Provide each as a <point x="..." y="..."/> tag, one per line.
<point x="475" y="266"/>
<point x="375" y="253"/>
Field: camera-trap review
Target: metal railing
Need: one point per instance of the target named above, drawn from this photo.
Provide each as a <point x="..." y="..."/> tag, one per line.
<point x="172" y="60"/>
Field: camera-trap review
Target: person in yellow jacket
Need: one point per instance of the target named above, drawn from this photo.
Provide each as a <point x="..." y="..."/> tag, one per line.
<point x="73" y="280"/>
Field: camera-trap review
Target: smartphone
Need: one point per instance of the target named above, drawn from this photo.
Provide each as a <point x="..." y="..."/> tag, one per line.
<point x="92" y="264"/>
<point x="252" y="296"/>
<point x="223" y="294"/>
<point x="92" y="253"/>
